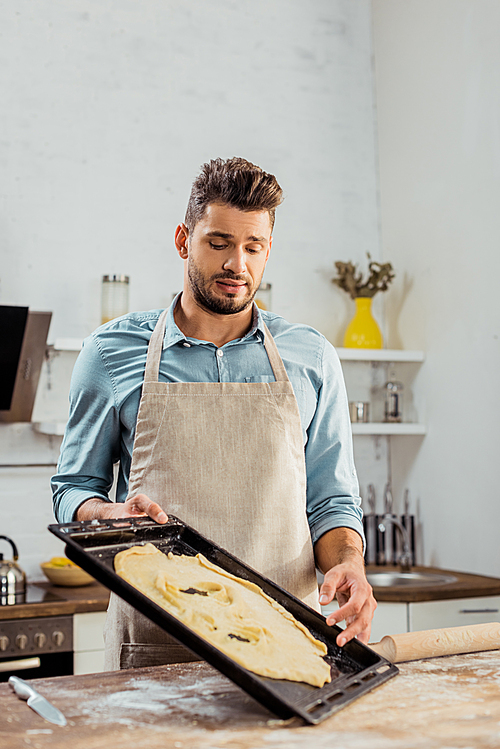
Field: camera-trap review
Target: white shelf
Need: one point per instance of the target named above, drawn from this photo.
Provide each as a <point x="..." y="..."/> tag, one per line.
<point x="54" y="428"/>
<point x="68" y="344"/>
<point x="383" y="428"/>
<point x="380" y="354"/>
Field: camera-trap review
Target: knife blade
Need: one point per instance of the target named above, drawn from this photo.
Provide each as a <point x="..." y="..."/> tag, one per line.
<point x="35" y="700"/>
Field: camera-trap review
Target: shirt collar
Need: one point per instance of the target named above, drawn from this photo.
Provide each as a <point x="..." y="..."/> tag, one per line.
<point x="174" y="335"/>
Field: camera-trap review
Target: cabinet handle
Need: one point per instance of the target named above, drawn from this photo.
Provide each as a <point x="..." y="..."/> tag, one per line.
<point x="478" y="611"/>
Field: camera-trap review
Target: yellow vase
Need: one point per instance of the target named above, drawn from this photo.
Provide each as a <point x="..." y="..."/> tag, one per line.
<point x="363" y="331"/>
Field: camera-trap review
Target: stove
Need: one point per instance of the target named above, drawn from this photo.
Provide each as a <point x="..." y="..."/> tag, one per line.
<point x="34" y="594"/>
<point x="36" y="646"/>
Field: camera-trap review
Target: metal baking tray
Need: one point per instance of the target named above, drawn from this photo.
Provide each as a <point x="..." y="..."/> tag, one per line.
<point x="355" y="668"/>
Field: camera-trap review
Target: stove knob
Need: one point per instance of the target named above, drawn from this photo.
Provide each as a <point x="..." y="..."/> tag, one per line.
<point x="21" y="641"/>
<point x="4" y="643"/>
<point x="58" y="638"/>
<point x="40" y="639"/>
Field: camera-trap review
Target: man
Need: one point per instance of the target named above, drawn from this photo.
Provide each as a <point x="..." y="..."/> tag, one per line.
<point x="238" y="421"/>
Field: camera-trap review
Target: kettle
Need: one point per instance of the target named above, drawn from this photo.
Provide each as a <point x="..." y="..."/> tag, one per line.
<point x="12" y="578"/>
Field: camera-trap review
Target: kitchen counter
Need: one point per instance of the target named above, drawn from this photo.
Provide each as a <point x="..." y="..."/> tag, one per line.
<point x="465" y="586"/>
<point x="93" y="597"/>
<point x="431" y="704"/>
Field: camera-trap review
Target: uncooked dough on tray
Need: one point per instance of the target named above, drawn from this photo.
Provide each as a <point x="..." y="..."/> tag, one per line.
<point x="232" y="614"/>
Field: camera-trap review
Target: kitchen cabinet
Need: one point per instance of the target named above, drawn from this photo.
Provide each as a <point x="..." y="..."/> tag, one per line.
<point x="396" y="618"/>
<point x="88" y="642"/>
<point x="453" y="613"/>
<point x="465" y="599"/>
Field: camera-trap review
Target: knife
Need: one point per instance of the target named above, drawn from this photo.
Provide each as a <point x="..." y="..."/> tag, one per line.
<point x="37" y="703"/>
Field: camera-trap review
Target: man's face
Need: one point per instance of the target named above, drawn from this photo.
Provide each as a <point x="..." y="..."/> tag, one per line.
<point x="227" y="253"/>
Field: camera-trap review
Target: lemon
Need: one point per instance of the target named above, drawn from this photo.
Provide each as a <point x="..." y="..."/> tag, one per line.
<point x="61" y="562"/>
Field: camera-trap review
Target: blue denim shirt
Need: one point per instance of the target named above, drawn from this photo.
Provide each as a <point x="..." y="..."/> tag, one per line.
<point x="106" y="389"/>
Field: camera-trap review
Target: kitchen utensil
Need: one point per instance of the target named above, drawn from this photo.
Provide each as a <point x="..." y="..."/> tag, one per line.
<point x="37" y="703"/>
<point x="12" y="578"/>
<point x="370" y="527"/>
<point x="408" y="522"/>
<point x="388" y="500"/>
<point x="371" y="499"/>
<point x="431" y="643"/>
<point x="355" y="669"/>
<point x="387" y="542"/>
<point x="406" y="502"/>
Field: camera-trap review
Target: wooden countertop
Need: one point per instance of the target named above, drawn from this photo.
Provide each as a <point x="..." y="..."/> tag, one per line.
<point x="434" y="703"/>
<point x="465" y="586"/>
<point x="93" y="597"/>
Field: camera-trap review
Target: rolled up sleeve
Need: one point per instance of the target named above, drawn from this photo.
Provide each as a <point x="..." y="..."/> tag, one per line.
<point x="332" y="485"/>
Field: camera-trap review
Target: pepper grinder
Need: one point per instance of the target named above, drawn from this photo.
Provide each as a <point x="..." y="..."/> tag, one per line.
<point x="393" y="411"/>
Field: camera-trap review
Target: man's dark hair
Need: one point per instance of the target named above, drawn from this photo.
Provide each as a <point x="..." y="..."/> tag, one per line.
<point x="236" y="183"/>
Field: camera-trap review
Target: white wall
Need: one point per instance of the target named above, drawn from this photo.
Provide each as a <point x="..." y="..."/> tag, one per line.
<point x="437" y="68"/>
<point x="111" y="106"/>
<point x="108" y="109"/>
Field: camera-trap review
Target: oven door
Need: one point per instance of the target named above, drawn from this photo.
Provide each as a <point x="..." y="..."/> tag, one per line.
<point x="37" y="667"/>
<point x="36" y="648"/>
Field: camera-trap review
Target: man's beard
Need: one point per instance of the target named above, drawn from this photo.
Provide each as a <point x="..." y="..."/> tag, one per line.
<point x="221" y="305"/>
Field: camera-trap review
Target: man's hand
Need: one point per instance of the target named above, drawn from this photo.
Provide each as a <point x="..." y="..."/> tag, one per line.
<point x="135" y="506"/>
<point x="339" y="555"/>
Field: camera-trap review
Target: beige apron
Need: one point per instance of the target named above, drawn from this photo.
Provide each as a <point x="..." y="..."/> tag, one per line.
<point x="227" y="458"/>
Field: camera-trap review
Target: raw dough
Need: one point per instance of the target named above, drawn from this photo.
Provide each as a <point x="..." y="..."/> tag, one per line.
<point x="234" y="615"/>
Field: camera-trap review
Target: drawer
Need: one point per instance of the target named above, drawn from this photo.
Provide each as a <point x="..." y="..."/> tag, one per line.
<point x="88" y="662"/>
<point x="453" y="613"/>
<point x="88" y="631"/>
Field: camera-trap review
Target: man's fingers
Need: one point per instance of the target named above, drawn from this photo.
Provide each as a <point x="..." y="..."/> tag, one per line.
<point x="358" y="620"/>
<point x="142" y="505"/>
<point x="329" y="587"/>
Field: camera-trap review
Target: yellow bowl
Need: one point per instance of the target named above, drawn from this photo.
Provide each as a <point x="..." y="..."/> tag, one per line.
<point x="70" y="576"/>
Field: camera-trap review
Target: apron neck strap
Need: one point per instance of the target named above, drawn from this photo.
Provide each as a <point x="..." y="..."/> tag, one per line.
<point x="274" y="357"/>
<point x="155" y="349"/>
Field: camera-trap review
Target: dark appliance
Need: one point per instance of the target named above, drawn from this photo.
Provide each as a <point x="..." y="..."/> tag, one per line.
<point x="35" y="647"/>
<point x="23" y="341"/>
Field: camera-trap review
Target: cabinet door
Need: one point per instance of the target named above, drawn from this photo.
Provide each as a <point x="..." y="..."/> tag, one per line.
<point x="389" y="619"/>
<point x="88" y="642"/>
<point x="88" y="662"/>
<point x="454" y="613"/>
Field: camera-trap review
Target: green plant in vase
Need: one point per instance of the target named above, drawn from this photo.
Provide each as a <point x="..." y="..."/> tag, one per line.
<point x="363" y="330"/>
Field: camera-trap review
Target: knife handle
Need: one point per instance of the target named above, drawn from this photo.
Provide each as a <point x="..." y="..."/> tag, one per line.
<point x="21" y="687"/>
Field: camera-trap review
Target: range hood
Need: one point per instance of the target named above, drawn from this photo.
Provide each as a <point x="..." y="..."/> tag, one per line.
<point x="23" y="341"/>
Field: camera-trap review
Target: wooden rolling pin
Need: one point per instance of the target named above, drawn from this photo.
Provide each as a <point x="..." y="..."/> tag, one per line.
<point x="431" y="643"/>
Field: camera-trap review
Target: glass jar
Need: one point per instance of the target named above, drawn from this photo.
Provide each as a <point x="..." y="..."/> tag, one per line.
<point x="114" y="299"/>
<point x="263" y="296"/>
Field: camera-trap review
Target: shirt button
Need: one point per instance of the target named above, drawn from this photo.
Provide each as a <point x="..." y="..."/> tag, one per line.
<point x="220" y="352"/>
<point x="186" y="344"/>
